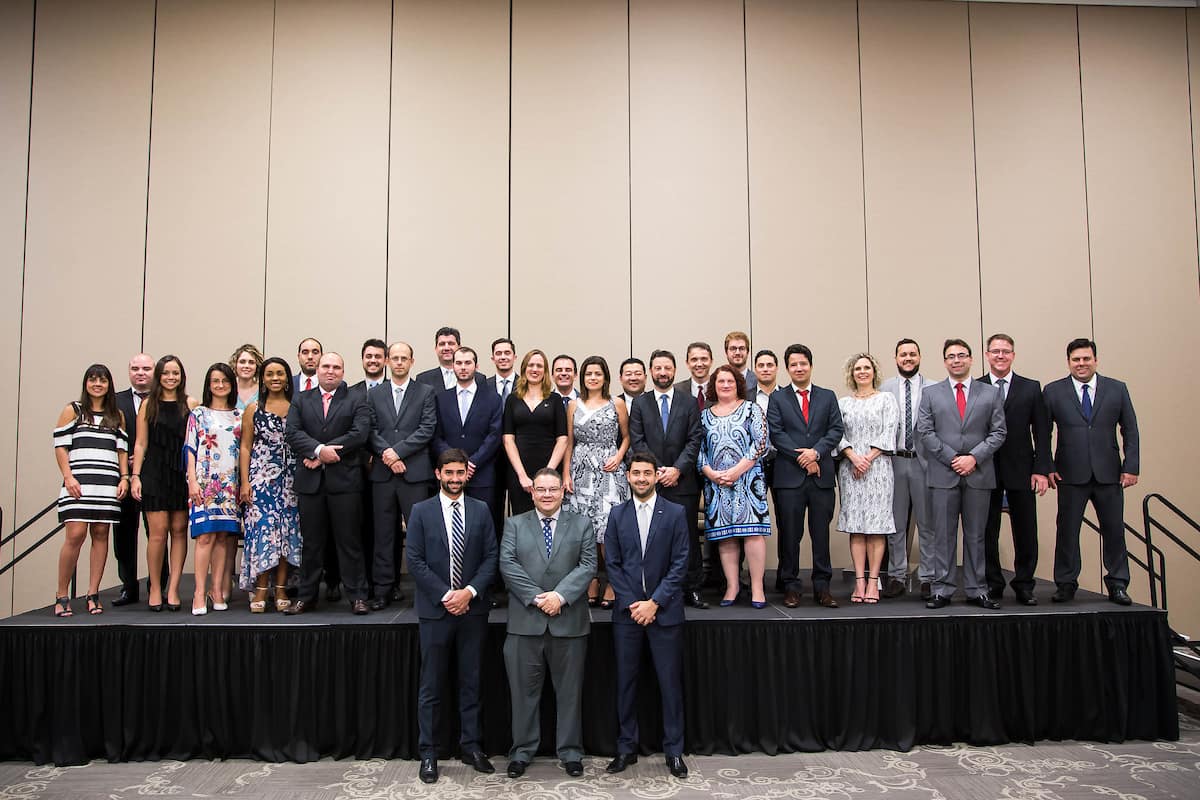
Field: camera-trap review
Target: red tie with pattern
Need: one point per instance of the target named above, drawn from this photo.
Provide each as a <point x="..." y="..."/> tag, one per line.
<point x="804" y="404"/>
<point x="960" y="397"/>
<point x="308" y="383"/>
<point x="700" y="397"/>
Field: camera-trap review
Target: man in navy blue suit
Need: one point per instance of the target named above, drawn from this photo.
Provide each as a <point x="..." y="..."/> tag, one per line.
<point x="469" y="417"/>
<point x="452" y="557"/>
<point x="646" y="550"/>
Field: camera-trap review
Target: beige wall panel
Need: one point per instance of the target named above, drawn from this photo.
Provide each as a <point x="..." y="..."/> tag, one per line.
<point x="16" y="66"/>
<point x="570" y="179"/>
<point x="208" y="181"/>
<point x="1032" y="209"/>
<point x="806" y="201"/>
<point x="449" y="174"/>
<point x="1143" y="224"/>
<point x="327" y="204"/>
<point x="922" y="259"/>
<point x="86" y="232"/>
<point x="690" y="236"/>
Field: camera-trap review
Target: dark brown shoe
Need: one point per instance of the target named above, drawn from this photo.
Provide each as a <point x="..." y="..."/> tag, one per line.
<point x="300" y="607"/>
<point x="791" y="600"/>
<point x="359" y="607"/>
<point x="825" y="599"/>
<point x="894" y="588"/>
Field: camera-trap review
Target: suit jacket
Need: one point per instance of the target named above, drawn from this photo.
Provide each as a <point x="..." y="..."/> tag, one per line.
<point x="408" y="433"/>
<point x="895" y="385"/>
<point x="1086" y="450"/>
<point x="479" y="435"/>
<point x="490" y="383"/>
<point x="685" y="386"/>
<point x="944" y="434"/>
<point x="1026" y="448"/>
<point x="429" y="555"/>
<point x="348" y="424"/>
<point x="789" y="433"/>
<point x="360" y="388"/>
<point x="751" y="380"/>
<point x="434" y="380"/>
<point x="298" y="383"/>
<point x="657" y="574"/>
<point x="528" y="572"/>
<point x="679" y="445"/>
<point x="125" y="404"/>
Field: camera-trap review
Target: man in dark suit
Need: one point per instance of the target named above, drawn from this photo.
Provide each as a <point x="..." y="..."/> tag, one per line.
<point x="699" y="362"/>
<point x="504" y="356"/>
<point x="563" y="372"/>
<point x="737" y="353"/>
<point x="646" y="551"/>
<point x="308" y="355"/>
<point x="1088" y="409"/>
<point x="468" y="418"/>
<point x="452" y="557"/>
<point x="441" y="377"/>
<point x="633" y="380"/>
<point x="1022" y="466"/>
<point x="805" y="426"/>
<point x="328" y="429"/>
<point x="404" y="418"/>
<point x="374" y="364"/>
<point x="548" y="558"/>
<point x="961" y="423"/>
<point x="125" y="532"/>
<point x="666" y="422"/>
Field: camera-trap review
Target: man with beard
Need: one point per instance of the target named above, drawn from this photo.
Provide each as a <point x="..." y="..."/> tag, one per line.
<point x="666" y="422"/>
<point x="308" y="355"/>
<point x="374" y="363"/>
<point x="737" y="353"/>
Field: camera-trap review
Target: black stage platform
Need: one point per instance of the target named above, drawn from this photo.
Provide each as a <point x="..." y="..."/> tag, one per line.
<point x="133" y="685"/>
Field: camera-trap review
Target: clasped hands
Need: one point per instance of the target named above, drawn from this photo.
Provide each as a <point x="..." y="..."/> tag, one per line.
<point x="549" y="603"/>
<point x="393" y="461"/>
<point x="328" y="455"/>
<point x="963" y="465"/>
<point x="809" y="459"/>
<point x="643" y="611"/>
<point x="457" y="601"/>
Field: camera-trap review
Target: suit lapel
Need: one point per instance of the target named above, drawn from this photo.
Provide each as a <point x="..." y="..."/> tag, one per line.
<point x="972" y="400"/>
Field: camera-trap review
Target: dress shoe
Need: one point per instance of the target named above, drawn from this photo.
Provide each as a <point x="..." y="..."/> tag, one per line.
<point x="333" y="593"/>
<point x="479" y="762"/>
<point x="494" y="602"/>
<point x="893" y="588"/>
<point x="300" y="607"/>
<point x="380" y="603"/>
<point x="727" y="603"/>
<point x="694" y="600"/>
<point x="620" y="763"/>
<point x="1120" y="597"/>
<point x="125" y="598"/>
<point x="429" y="770"/>
<point x="824" y="599"/>
<point x="359" y="607"/>
<point x="984" y="601"/>
<point x="937" y="601"/>
<point x="791" y="600"/>
<point x="1065" y="593"/>
<point x="677" y="767"/>
<point x="517" y="768"/>
<point x="926" y="591"/>
<point x="1026" y="598"/>
<point x="573" y="768"/>
<point x="397" y="595"/>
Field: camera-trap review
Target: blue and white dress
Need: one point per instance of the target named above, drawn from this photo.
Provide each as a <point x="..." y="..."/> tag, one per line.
<point x="741" y="509"/>
<point x="214" y="438"/>
<point x="272" y="518"/>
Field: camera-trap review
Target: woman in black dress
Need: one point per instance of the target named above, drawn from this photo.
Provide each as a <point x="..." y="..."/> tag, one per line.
<point x="159" y="480"/>
<point x="535" y="429"/>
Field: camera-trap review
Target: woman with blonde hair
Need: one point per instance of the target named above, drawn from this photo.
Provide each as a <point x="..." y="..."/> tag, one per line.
<point x="245" y="362"/>
<point x="535" y="429"/>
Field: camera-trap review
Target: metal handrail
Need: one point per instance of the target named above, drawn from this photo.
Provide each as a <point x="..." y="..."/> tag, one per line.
<point x="29" y="522"/>
<point x="1159" y="575"/>
<point x="33" y="547"/>
<point x="1151" y="523"/>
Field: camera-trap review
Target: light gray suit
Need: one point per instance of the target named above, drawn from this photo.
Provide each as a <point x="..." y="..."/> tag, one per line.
<point x="910" y="498"/>
<point x="945" y="435"/>
<point x="536" y="640"/>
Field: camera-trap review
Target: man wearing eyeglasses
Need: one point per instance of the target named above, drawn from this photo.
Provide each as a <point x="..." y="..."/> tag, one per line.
<point x="962" y="425"/>
<point x="1022" y="466"/>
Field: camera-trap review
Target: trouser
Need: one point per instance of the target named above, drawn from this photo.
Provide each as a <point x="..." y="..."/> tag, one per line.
<point x="792" y="505"/>
<point x="691" y="512"/>
<point x="1109" y="501"/>
<point x="335" y="517"/>
<point x="910" y="501"/>
<point x="1022" y="518"/>
<point x="393" y="501"/>
<point x="947" y="506"/>
<point x="527" y="658"/>
<point x="464" y="636"/>
<point x="666" y="651"/>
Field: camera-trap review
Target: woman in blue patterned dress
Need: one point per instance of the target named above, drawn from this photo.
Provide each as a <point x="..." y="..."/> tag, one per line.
<point x="735" y="493"/>
<point x="597" y="438"/>
<point x="268" y="469"/>
<point x="211" y="443"/>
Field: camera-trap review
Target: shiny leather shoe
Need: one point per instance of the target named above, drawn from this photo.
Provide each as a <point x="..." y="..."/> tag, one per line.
<point x="677" y="767"/>
<point x="621" y="762"/>
<point x="1120" y="597"/>
<point x="791" y="600"/>
<point x="893" y="588"/>
<point x="397" y="595"/>
<point x="359" y="607"/>
<point x="573" y="768"/>
<point x="1026" y="598"/>
<point x="380" y="603"/>
<point x="984" y="601"/>
<point x="694" y="600"/>
<point x="125" y="598"/>
<point x="517" y="768"/>
<point x="937" y="601"/>
<point x="479" y="762"/>
<point x="429" y="770"/>
<point x="824" y="599"/>
<point x="300" y="607"/>
<point x="333" y="593"/>
<point x="1064" y="594"/>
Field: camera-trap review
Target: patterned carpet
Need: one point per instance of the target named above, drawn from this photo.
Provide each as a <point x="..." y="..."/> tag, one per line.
<point x="1048" y="771"/>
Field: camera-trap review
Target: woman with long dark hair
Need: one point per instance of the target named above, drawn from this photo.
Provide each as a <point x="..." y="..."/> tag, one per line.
<point x="267" y="466"/>
<point x="535" y="429"/>
<point x="211" y="444"/>
<point x="90" y="446"/>
<point x="159" y="479"/>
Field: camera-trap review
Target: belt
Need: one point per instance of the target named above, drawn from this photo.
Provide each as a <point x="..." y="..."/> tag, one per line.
<point x="904" y="453"/>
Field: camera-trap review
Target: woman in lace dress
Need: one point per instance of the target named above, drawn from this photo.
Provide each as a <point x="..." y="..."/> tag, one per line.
<point x="865" y="472"/>
<point x="597" y="439"/>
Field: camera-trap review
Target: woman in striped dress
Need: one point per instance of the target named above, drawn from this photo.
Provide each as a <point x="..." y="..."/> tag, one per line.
<point x="90" y="446"/>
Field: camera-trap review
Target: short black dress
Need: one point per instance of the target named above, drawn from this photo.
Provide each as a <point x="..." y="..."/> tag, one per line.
<point x="536" y="433"/>
<point x="164" y="481"/>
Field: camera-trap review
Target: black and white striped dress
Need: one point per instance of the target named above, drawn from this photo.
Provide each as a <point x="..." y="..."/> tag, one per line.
<point x="92" y="452"/>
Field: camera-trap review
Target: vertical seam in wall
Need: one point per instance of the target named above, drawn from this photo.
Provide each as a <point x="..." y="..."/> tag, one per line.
<point x="1087" y="211"/>
<point x="16" y="473"/>
<point x="975" y="170"/>
<point x="149" y="161"/>
<point x="629" y="155"/>
<point x="387" y="213"/>
<point x="862" y="163"/>
<point x="749" y="234"/>
<point x="508" y="256"/>
<point x="1187" y="49"/>
<point x="267" y="198"/>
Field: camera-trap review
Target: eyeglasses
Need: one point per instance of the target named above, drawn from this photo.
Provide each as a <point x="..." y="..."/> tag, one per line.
<point x="1000" y="352"/>
<point x="547" y="489"/>
<point x="958" y="356"/>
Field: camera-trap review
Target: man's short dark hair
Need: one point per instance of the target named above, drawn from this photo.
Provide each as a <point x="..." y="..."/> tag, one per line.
<point x="447" y="331"/>
<point x="462" y="348"/>
<point x="770" y="353"/>
<point x="380" y="343"/>
<point x="645" y="457"/>
<point x="453" y="455"/>
<point x="913" y="342"/>
<point x="560" y="357"/>
<point x="632" y="360"/>
<point x="547" y="472"/>
<point x="796" y="349"/>
<point x="1080" y="344"/>
<point x="310" y="339"/>
<point x="956" y="343"/>
<point x="699" y="346"/>
<point x="503" y="340"/>
<point x="1004" y="337"/>
<point x="667" y="354"/>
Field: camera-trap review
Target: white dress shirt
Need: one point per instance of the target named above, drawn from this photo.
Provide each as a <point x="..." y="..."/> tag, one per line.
<point x="1091" y="389"/>
<point x="448" y="518"/>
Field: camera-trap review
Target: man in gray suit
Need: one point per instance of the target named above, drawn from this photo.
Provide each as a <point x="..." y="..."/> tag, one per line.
<point x="404" y="418"/>
<point x="547" y="557"/>
<point x="910" y="497"/>
<point x="962" y="424"/>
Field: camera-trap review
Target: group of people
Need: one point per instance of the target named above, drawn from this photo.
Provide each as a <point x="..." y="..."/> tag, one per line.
<point x="527" y="480"/>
